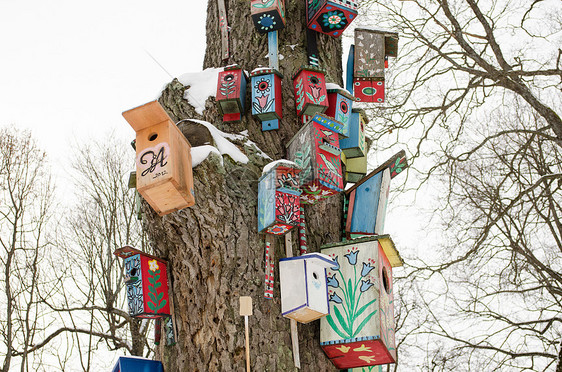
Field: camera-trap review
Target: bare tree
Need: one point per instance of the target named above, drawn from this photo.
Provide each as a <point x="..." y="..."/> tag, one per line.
<point x="26" y="200"/>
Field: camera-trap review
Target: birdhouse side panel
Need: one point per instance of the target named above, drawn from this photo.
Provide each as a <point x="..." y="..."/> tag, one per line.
<point x="301" y="150"/>
<point x="317" y="288"/>
<point x="266" y="201"/>
<point x="369" y="54"/>
<point x="333" y="17"/>
<point x="264" y="99"/>
<point x="155" y="287"/>
<point x="328" y="171"/>
<point x="354" y="145"/>
<point x="353" y="290"/>
<point x="386" y="315"/>
<point x="268" y="15"/>
<point x="287" y="208"/>
<point x="133" y="279"/>
<point x="368" y="90"/>
<point x="383" y="202"/>
<point x="292" y="284"/>
<point x="154" y="156"/>
<point x="340" y="109"/>
<point x="364" y="216"/>
<point x="229" y="84"/>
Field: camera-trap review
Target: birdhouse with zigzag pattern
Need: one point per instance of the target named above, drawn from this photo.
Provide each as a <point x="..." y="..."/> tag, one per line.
<point x="315" y="149"/>
<point x="146" y="281"/>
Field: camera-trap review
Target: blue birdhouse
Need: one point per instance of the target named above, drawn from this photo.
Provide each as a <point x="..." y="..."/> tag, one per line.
<point x="137" y="364"/>
<point x="340" y="105"/>
<point x="354" y="145"/>
<point x="266" y="97"/>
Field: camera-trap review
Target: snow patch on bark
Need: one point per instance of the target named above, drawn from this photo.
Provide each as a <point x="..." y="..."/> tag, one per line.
<point x="202" y="84"/>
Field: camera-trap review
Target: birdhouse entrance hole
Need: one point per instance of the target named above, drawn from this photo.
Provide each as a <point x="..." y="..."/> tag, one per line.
<point x="152" y="136"/>
<point x="314" y="80"/>
<point x="385" y="280"/>
<point x="315" y="276"/>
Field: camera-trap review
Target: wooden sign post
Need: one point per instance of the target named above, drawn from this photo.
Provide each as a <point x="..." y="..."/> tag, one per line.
<point x="246" y="310"/>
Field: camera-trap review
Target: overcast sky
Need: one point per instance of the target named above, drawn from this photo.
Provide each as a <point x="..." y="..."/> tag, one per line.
<point x="69" y="68"/>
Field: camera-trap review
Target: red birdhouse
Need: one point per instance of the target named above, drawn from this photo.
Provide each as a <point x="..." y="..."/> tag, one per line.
<point x="231" y="93"/>
<point x="146" y="279"/>
<point x="330" y="17"/>
<point x="311" y="96"/>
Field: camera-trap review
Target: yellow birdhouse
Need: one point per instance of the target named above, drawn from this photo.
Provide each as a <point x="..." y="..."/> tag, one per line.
<point x="164" y="174"/>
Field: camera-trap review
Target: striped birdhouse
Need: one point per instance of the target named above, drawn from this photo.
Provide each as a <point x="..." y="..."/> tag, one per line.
<point x="266" y="97"/>
<point x="330" y="17"/>
<point x="231" y="93"/>
<point x="367" y="200"/>
<point x="315" y="149"/>
<point x="360" y="330"/>
<point x="278" y="200"/>
<point x="146" y="280"/>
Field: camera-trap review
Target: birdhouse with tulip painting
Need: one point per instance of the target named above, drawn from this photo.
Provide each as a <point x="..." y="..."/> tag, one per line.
<point x="311" y="96"/>
<point x="367" y="200"/>
<point x="268" y="15"/>
<point x="330" y="17"/>
<point x="278" y="199"/>
<point x="146" y="281"/>
<point x="266" y="97"/>
<point x="304" y="294"/>
<point x="360" y="329"/>
<point x="315" y="149"/>
<point x="164" y="173"/>
<point x="340" y="104"/>
<point x="231" y="93"/>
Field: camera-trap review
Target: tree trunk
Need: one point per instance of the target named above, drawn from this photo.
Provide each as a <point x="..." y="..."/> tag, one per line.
<point x="214" y="251"/>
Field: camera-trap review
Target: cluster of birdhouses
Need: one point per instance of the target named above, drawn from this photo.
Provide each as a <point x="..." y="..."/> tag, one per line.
<point x="278" y="200"/>
<point x="231" y="93"/>
<point x="360" y="330"/>
<point x="163" y="162"/>
<point x="367" y="62"/>
<point x="330" y="17"/>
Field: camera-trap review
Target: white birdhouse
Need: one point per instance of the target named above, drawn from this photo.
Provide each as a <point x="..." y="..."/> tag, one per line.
<point x="304" y="292"/>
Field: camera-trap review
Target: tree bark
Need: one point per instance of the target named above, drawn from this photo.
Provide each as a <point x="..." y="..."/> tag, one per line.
<point x="214" y="251"/>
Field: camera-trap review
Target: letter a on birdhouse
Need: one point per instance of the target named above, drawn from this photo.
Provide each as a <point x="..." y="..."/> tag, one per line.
<point x="146" y="279"/>
<point x="164" y="174"/>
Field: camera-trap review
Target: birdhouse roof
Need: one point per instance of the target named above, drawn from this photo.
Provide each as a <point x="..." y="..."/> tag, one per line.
<point x="377" y="31"/>
<point x="308" y="68"/>
<point x="361" y="113"/>
<point x="128" y="251"/>
<point x="385" y="241"/>
<point x="265" y="71"/>
<point x="145" y="116"/>
<point x="319" y="258"/>
<point x="387" y="164"/>
<point x="335" y="88"/>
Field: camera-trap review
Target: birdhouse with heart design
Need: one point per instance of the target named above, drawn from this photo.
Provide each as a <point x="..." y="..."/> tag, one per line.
<point x="266" y="97"/>
<point x="146" y="281"/>
<point x="340" y="104"/>
<point x="330" y="17"/>
<point x="268" y="15"/>
<point x="231" y="93"/>
<point x="278" y="198"/>
<point x="163" y="162"/>
<point x="354" y="145"/>
<point x="304" y="294"/>
<point x="372" y="47"/>
<point x="137" y="364"/>
<point x="315" y="149"/>
<point x="367" y="200"/>
<point x="360" y="329"/>
<point x="311" y="96"/>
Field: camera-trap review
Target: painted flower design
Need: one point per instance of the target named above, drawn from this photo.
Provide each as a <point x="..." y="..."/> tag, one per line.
<point x="153" y="265"/>
<point x="335" y="298"/>
<point x="365" y="285"/>
<point x="267" y="22"/>
<point x="262" y="100"/>
<point x="352" y="256"/>
<point x="335" y="19"/>
<point x="367" y="267"/>
<point x="263" y="85"/>
<point x="332" y="281"/>
<point x="315" y="91"/>
<point x="337" y="267"/>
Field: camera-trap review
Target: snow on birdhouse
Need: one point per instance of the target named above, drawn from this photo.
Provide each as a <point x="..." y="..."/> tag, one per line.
<point x="137" y="364"/>
<point x="231" y="93"/>
<point x="146" y="280"/>
<point x="370" y="52"/>
<point x="268" y="15"/>
<point x="164" y="173"/>
<point x="303" y="286"/>
<point x="315" y="149"/>
<point x="367" y="199"/>
<point x="340" y="105"/>
<point x="278" y="199"/>
<point x="330" y="17"/>
<point x="266" y="97"/>
<point x="310" y="90"/>
<point x="360" y="330"/>
<point x="354" y="146"/>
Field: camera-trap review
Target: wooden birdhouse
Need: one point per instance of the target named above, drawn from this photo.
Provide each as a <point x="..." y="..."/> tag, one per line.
<point x="355" y="169"/>
<point x="164" y="174"/>
<point x="278" y="199"/>
<point x="137" y="364"/>
<point x="268" y="15"/>
<point x="303" y="286"/>
<point x="310" y="90"/>
<point x="315" y="149"/>
<point x="330" y="17"/>
<point x="372" y="47"/>
<point x="360" y="330"/>
<point x="231" y="93"/>
<point x="340" y="106"/>
<point x="266" y="97"/>
<point x="367" y="199"/>
<point x="354" y="146"/>
<point x="146" y="279"/>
